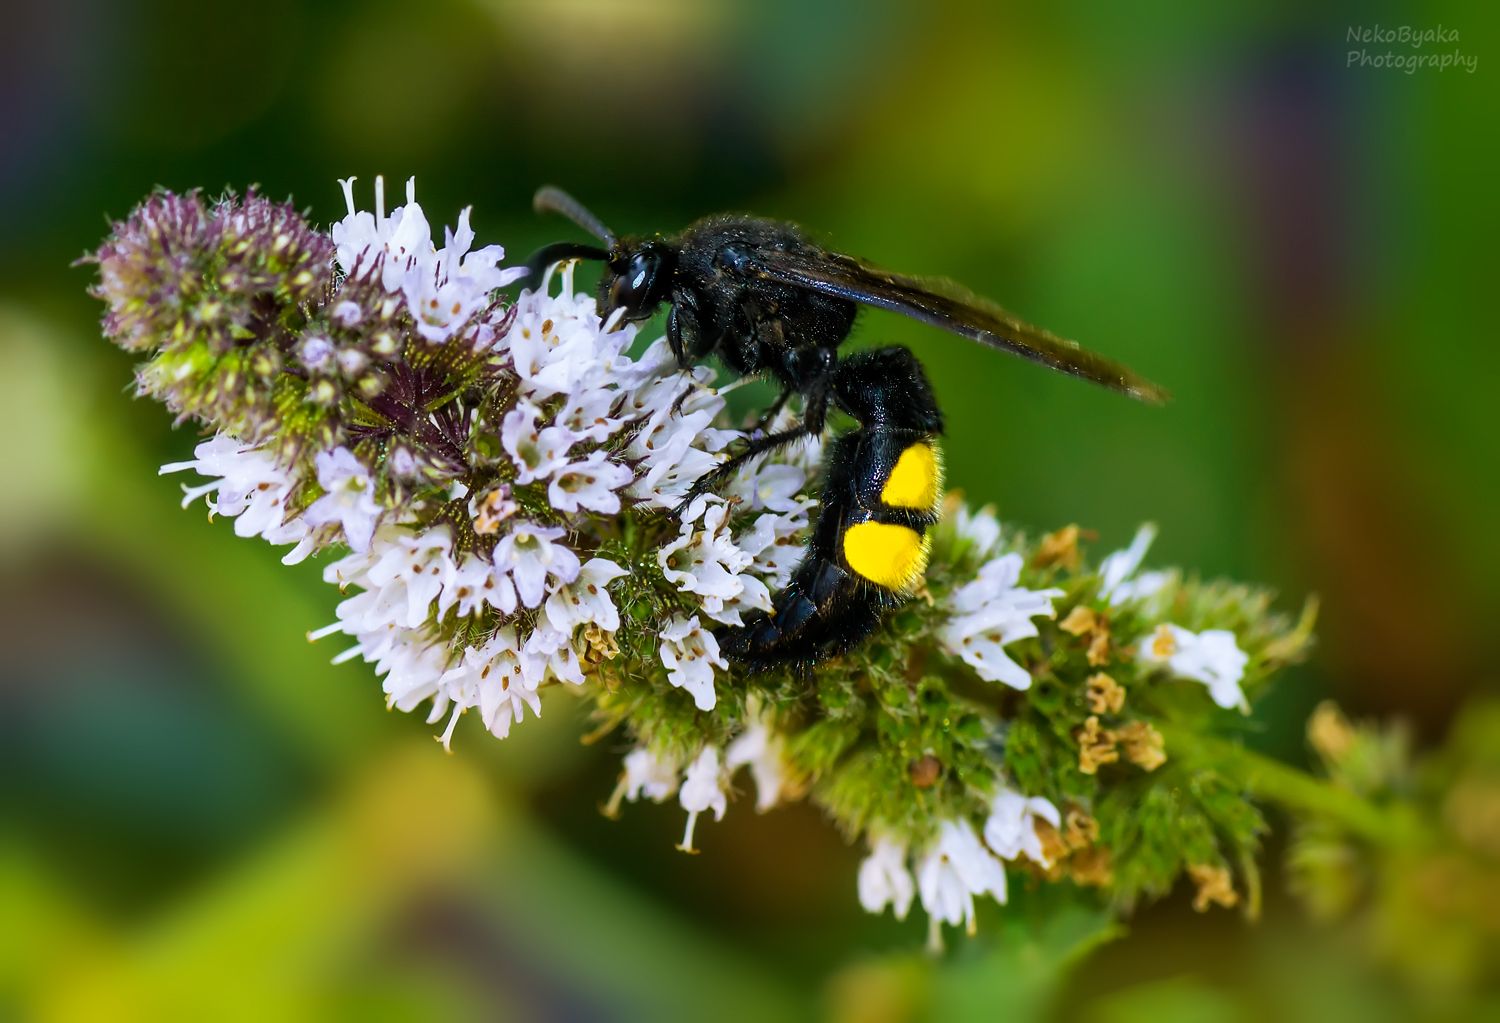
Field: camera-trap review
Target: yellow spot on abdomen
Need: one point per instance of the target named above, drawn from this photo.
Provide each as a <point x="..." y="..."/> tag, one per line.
<point x="888" y="555"/>
<point x="916" y="480"/>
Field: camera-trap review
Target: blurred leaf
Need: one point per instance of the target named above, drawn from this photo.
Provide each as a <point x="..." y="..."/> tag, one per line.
<point x="263" y="941"/>
<point x="1180" y="1000"/>
<point x="1011" y="971"/>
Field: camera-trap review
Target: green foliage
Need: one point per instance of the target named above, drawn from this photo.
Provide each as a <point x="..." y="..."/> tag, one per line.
<point x="1184" y="815"/>
<point x="899" y="736"/>
<point x="1036" y="940"/>
<point x="1426" y="882"/>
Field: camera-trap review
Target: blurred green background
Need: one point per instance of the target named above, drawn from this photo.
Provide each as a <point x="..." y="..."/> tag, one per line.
<point x="202" y="819"/>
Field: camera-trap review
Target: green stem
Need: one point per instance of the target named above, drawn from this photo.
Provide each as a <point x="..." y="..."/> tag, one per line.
<point x="1295" y="789"/>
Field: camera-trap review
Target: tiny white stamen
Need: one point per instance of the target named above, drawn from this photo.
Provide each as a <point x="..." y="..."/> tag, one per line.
<point x="687" y="835"/>
<point x="447" y="737"/>
<point x="191" y="494"/>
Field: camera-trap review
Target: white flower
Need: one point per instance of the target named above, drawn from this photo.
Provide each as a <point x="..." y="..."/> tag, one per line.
<point x="548" y="653"/>
<point x="349" y="500"/>
<point x="957" y="868"/>
<point x="252" y="489"/>
<point x="667" y="481"/>
<point x="489" y="676"/>
<point x="413" y="666"/>
<point x="503" y="687"/>
<point x="457" y="284"/>
<point x="636" y="375"/>
<point x="589" y="484"/>
<point x="807" y="453"/>
<point x="531" y="557"/>
<point x="702" y="789"/>
<point x="1211" y="657"/>
<point x="1011" y="828"/>
<point x="364" y="241"/>
<point x="444" y="288"/>
<point x="991" y="612"/>
<point x="397" y="556"/>
<point x="588" y="413"/>
<point x="649" y="775"/>
<point x="351" y="361"/>
<point x="884" y="879"/>
<point x="411" y="661"/>
<point x="536" y="452"/>
<point x="980" y="528"/>
<point x="768" y="486"/>
<point x="586" y="599"/>
<point x="352" y="568"/>
<point x="656" y="377"/>
<point x="754" y="593"/>
<point x="773" y="543"/>
<point x="705" y="561"/>
<point x="558" y="346"/>
<point x="401" y="462"/>
<point x="474" y="584"/>
<point x="411" y="572"/>
<point x="764" y="751"/>
<point x="690" y="653"/>
<point x="1116" y="571"/>
<point x="674" y="448"/>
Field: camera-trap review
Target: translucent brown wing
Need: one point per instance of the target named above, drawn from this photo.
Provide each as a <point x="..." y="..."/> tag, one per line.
<point x="944" y="304"/>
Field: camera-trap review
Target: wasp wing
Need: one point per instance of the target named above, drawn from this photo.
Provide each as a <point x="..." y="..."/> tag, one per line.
<point x="945" y="304"/>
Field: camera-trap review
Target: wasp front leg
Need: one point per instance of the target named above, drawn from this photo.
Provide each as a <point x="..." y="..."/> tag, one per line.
<point x="683" y="327"/>
<point x="814" y="420"/>
<point x="716" y="476"/>
<point x="769" y="415"/>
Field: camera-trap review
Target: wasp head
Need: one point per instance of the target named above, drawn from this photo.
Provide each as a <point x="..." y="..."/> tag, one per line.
<point x="637" y="278"/>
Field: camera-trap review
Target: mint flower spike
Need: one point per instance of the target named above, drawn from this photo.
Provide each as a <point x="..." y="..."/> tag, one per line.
<point x="496" y="477"/>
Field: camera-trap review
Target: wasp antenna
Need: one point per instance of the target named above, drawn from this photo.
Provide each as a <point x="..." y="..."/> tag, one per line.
<point x="547" y="255"/>
<point x="551" y="199"/>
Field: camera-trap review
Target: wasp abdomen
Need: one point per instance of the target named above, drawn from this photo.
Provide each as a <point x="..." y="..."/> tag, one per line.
<point x="868" y="551"/>
<point x="887" y="554"/>
<point x="898" y="488"/>
<point x="916" y="480"/>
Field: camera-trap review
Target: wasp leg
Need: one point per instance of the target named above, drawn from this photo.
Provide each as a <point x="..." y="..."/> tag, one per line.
<point x="721" y="472"/>
<point x="776" y="406"/>
<point x="674" y="337"/>
<point x="811" y="426"/>
<point x="683" y="395"/>
<point x="823" y="612"/>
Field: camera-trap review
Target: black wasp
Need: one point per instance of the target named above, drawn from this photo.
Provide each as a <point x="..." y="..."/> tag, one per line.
<point x="766" y="300"/>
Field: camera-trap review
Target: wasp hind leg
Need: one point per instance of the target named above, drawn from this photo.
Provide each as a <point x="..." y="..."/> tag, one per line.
<point x="823" y="612"/>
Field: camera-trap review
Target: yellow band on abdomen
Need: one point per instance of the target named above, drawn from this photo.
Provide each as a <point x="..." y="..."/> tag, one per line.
<point x="888" y="555"/>
<point x="916" y="480"/>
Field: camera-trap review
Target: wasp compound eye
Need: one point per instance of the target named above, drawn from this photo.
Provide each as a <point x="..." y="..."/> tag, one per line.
<point x="640" y="281"/>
